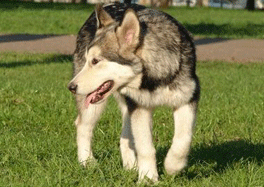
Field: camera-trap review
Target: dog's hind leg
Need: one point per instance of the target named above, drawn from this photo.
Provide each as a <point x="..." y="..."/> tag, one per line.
<point x="85" y="124"/>
<point x="127" y="146"/>
<point x="141" y="125"/>
<point x="184" y="119"/>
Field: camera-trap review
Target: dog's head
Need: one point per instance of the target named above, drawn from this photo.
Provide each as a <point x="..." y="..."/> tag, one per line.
<point x="111" y="62"/>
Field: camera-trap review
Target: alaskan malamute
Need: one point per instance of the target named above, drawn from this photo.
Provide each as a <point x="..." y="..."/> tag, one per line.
<point x="146" y="59"/>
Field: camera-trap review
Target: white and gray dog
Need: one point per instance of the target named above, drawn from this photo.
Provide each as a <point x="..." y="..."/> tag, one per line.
<point x="146" y="59"/>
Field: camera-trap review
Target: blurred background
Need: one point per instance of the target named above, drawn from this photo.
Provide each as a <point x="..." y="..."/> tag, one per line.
<point x="236" y="4"/>
<point x="37" y="112"/>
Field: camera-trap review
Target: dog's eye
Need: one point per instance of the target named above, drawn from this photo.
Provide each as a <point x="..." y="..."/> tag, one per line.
<point x="95" y="61"/>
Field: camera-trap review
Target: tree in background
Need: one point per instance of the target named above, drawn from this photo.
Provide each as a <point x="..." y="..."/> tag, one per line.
<point x="233" y="2"/>
<point x="188" y="3"/>
<point x="199" y="3"/>
<point x="250" y="5"/>
<point x="127" y="2"/>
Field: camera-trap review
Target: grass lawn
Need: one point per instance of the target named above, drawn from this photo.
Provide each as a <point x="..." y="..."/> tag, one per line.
<point x="47" y="18"/>
<point x="37" y="136"/>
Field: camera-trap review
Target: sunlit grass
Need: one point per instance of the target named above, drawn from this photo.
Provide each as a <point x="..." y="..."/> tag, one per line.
<point x="37" y="137"/>
<point x="48" y="18"/>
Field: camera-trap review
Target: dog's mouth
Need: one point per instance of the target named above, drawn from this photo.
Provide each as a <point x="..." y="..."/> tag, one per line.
<point x="99" y="93"/>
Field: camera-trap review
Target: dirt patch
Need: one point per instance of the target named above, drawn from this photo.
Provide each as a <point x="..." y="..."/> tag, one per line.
<point x="63" y="44"/>
<point x="244" y="50"/>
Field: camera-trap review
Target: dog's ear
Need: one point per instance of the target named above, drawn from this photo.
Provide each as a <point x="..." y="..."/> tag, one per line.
<point x="103" y="18"/>
<point x="129" y="30"/>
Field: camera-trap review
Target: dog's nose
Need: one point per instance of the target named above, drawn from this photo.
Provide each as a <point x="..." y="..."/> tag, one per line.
<point x="72" y="87"/>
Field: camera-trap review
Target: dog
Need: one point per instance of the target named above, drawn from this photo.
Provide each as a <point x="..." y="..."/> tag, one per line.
<point x="145" y="58"/>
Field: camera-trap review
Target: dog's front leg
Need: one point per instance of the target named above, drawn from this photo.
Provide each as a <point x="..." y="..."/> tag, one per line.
<point x="85" y="124"/>
<point x="127" y="146"/>
<point x="184" y="120"/>
<point x="141" y="125"/>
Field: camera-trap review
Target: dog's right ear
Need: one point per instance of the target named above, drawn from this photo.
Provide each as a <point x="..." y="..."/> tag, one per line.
<point x="129" y="30"/>
<point x="102" y="17"/>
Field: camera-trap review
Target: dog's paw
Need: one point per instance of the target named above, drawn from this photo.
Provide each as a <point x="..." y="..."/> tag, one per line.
<point x="148" y="179"/>
<point x="148" y="170"/>
<point x="129" y="164"/>
<point x="129" y="160"/>
<point x="173" y="164"/>
<point x="88" y="162"/>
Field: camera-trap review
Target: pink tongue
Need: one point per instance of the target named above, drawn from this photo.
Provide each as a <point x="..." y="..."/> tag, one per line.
<point x="95" y="96"/>
<point x="91" y="97"/>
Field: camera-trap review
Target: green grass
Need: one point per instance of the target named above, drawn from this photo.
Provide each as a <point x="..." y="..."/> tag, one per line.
<point x="37" y="136"/>
<point x="47" y="18"/>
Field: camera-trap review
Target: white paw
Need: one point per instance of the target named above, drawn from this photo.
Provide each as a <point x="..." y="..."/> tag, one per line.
<point x="174" y="164"/>
<point x="148" y="169"/>
<point x="128" y="155"/>
<point x="129" y="160"/>
<point x="89" y="161"/>
<point x="85" y="157"/>
<point x="153" y="177"/>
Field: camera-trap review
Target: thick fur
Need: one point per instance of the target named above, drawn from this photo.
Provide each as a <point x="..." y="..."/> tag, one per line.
<point x="151" y="59"/>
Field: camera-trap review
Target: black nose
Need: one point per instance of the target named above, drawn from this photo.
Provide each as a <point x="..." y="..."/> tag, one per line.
<point x="72" y="87"/>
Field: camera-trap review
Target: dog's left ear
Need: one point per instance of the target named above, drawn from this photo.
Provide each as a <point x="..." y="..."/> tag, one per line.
<point x="129" y="30"/>
<point x="103" y="18"/>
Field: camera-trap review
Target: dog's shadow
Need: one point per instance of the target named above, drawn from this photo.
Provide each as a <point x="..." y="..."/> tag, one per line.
<point x="29" y="62"/>
<point x="218" y="156"/>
